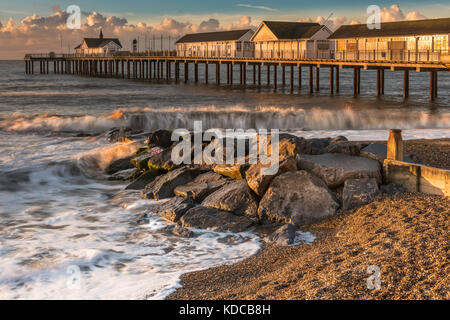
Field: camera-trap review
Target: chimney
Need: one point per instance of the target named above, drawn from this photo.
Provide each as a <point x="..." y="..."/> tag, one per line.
<point x="101" y="34"/>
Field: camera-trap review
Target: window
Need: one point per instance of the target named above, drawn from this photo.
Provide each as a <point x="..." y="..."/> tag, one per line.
<point x="238" y="46"/>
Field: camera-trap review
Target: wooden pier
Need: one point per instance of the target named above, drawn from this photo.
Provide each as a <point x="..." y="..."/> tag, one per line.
<point x="160" y="67"/>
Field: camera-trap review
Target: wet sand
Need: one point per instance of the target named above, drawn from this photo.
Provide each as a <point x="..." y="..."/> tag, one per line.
<point x="406" y="236"/>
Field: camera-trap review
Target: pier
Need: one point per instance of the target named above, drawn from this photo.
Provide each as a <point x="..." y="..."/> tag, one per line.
<point x="167" y="67"/>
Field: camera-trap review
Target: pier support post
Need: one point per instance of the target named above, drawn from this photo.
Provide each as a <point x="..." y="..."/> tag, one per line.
<point x="337" y="79"/>
<point x="395" y="145"/>
<point x="311" y="81"/>
<point x="32" y="67"/>
<point x="168" y="70"/>
<point x="254" y="74"/>
<point x="435" y="84"/>
<point x="432" y="85"/>
<point x="331" y="80"/>
<point x="231" y="73"/>
<point x="244" y="68"/>
<point x="195" y="72"/>
<point x="378" y="82"/>
<point x="382" y="82"/>
<point x="405" y="84"/>
<point x="218" y="74"/>
<point x="177" y="71"/>
<point x="283" y="75"/>
<point x="259" y="75"/>
<point x="275" y="73"/>
<point x="299" y="77"/>
<point x="206" y="73"/>
<point x="317" y="78"/>
<point x="291" y="74"/>
<point x="241" y="74"/>
<point x="186" y="72"/>
<point x="355" y="80"/>
<point x="228" y="73"/>
<point x="268" y="75"/>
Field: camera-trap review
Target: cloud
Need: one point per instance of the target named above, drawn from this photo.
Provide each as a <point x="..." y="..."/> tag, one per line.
<point x="395" y="13"/>
<point x="332" y="24"/>
<point x="256" y="7"/>
<point x="40" y="34"/>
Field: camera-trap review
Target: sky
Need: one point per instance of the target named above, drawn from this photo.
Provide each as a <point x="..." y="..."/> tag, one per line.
<point x="40" y="26"/>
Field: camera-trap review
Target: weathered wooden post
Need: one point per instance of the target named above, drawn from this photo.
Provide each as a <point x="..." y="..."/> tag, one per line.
<point x="186" y="71"/>
<point x="291" y="74"/>
<point x="206" y="73"/>
<point x="378" y="82"/>
<point x="244" y="74"/>
<point x="331" y="80"/>
<point x="259" y="75"/>
<point x="299" y="77"/>
<point x="395" y="145"/>
<point x="355" y="89"/>
<point x="254" y="74"/>
<point x="405" y="84"/>
<point x="358" y="83"/>
<point x="317" y="78"/>
<point x="275" y="72"/>
<point x="431" y="85"/>
<point x="268" y="74"/>
<point x="231" y="72"/>
<point x="228" y="73"/>
<point x="382" y="81"/>
<point x="283" y="75"/>
<point x="337" y="79"/>
<point x="311" y="81"/>
<point x="435" y="84"/>
<point x="218" y="73"/>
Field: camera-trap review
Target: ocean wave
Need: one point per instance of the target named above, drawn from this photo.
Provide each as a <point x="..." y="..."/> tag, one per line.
<point x="269" y="117"/>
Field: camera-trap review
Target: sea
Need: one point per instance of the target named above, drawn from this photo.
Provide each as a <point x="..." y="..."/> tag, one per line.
<point x="68" y="232"/>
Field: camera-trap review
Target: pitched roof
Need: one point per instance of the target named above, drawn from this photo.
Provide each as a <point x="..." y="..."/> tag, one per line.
<point x="400" y="28"/>
<point x="213" y="36"/>
<point x="98" y="42"/>
<point x="293" y="30"/>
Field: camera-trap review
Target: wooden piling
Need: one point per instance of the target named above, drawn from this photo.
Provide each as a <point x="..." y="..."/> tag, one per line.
<point x="275" y="76"/>
<point x="268" y="75"/>
<point x="283" y="75"/>
<point x="355" y="76"/>
<point x="259" y="75"/>
<point x="337" y="79"/>
<point x="395" y="145"/>
<point x="405" y="84"/>
<point x="206" y="73"/>
<point x="218" y="74"/>
<point x="254" y="74"/>
<point x="317" y="78"/>
<point x="291" y="74"/>
<point x="186" y="71"/>
<point x="331" y="80"/>
<point x="311" y="81"/>
<point x="195" y="72"/>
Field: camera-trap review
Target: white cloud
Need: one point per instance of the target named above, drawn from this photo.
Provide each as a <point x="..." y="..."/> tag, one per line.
<point x="395" y="13"/>
<point x="256" y="7"/>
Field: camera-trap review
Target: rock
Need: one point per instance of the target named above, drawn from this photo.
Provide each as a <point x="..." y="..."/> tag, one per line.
<point x="173" y="209"/>
<point x="283" y="236"/>
<point x="202" y="186"/>
<point x="178" y="230"/>
<point x="338" y="139"/>
<point x="119" y="165"/>
<point x="318" y="145"/>
<point x="392" y="188"/>
<point x="349" y="148"/>
<point x="118" y="134"/>
<point x="358" y="192"/>
<point x="142" y="219"/>
<point x="123" y="175"/>
<point x="214" y="219"/>
<point x="162" y="187"/>
<point x="290" y="146"/>
<point x="334" y="169"/>
<point x="161" y="159"/>
<point x="143" y="180"/>
<point x="161" y="138"/>
<point x="233" y="171"/>
<point x="297" y="197"/>
<point x="259" y="182"/>
<point x="378" y="151"/>
<point x="235" y="197"/>
<point x="140" y="161"/>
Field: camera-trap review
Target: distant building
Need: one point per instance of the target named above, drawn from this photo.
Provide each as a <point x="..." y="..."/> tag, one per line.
<point x="291" y="40"/>
<point x="98" y="46"/>
<point x="420" y="40"/>
<point x="234" y="43"/>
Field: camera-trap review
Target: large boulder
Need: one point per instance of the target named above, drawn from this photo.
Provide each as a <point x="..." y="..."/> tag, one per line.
<point x="175" y="208"/>
<point x="161" y="159"/>
<point x="143" y="180"/>
<point x="259" y="182"/>
<point x="162" y="187"/>
<point x="345" y="147"/>
<point x="318" y="145"/>
<point x="202" y="186"/>
<point x="160" y="138"/>
<point x="214" y="219"/>
<point x="119" y="165"/>
<point x="233" y="171"/>
<point x="297" y="197"/>
<point x="235" y="197"/>
<point x="124" y="175"/>
<point x="334" y="169"/>
<point x="290" y="145"/>
<point x="283" y="236"/>
<point x="358" y="192"/>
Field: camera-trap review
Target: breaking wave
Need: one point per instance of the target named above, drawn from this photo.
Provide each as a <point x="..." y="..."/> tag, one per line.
<point x="147" y="119"/>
